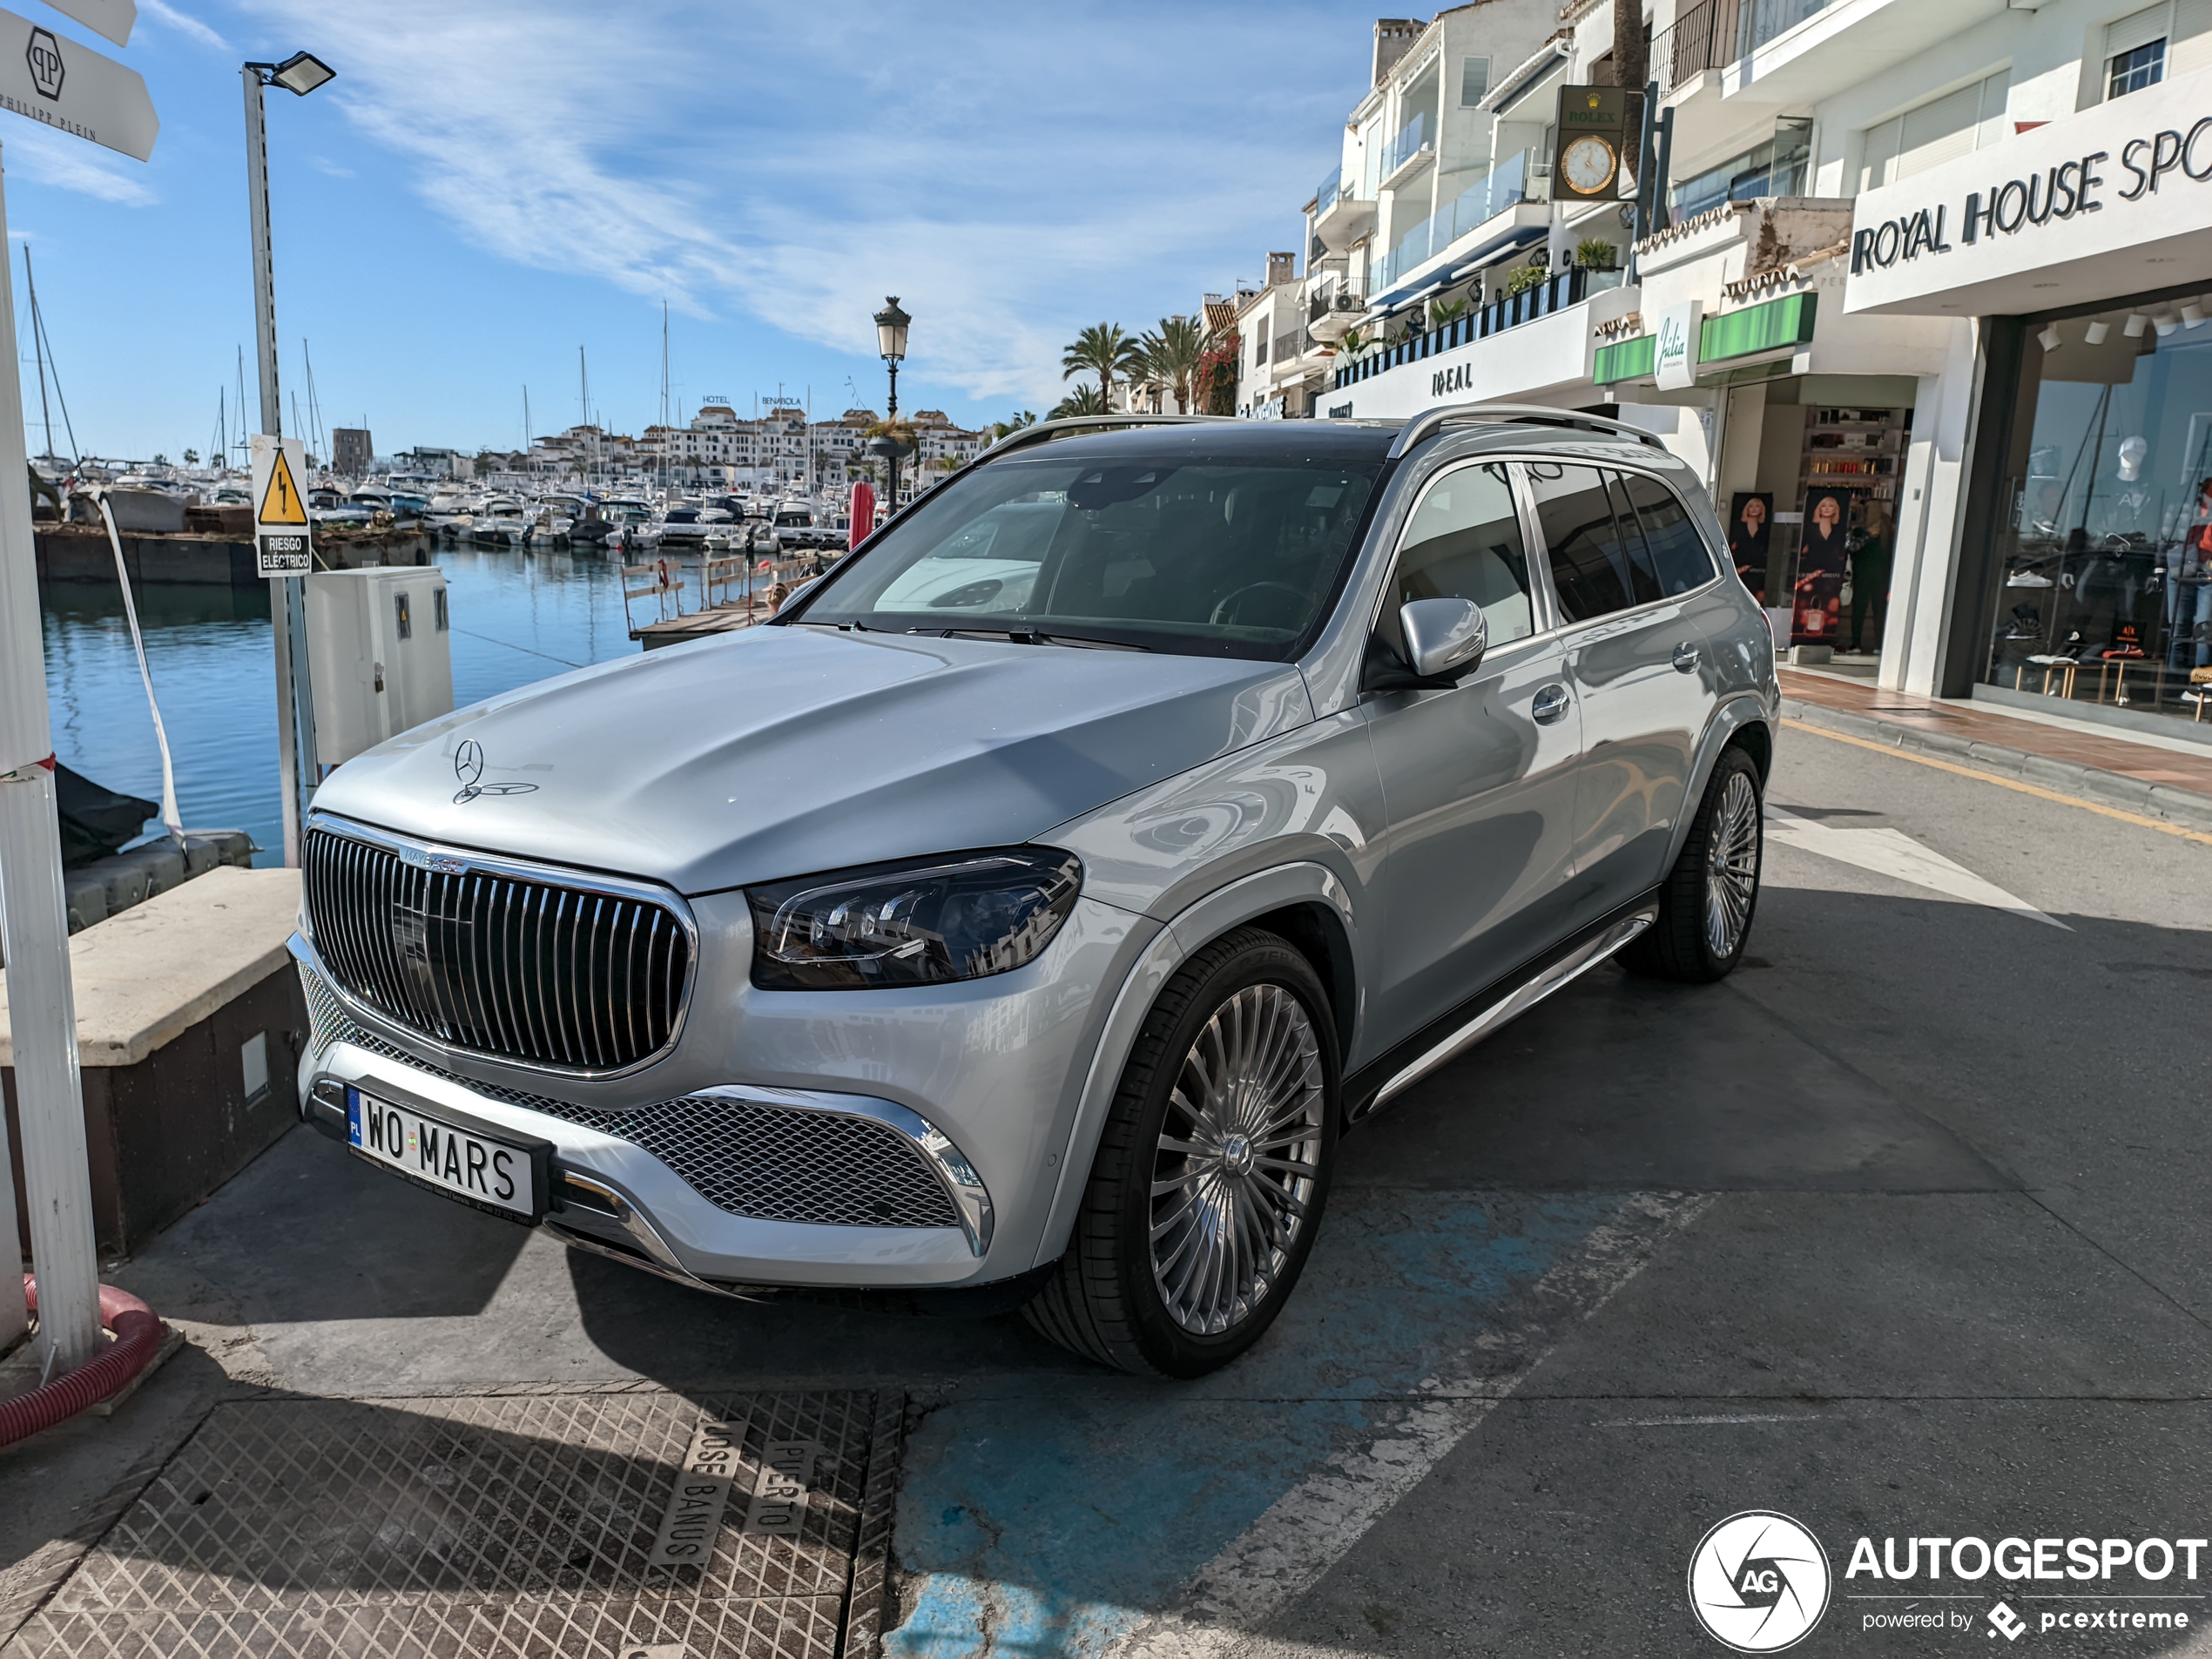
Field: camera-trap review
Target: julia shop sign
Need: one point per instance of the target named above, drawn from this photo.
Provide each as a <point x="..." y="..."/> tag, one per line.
<point x="2173" y="158"/>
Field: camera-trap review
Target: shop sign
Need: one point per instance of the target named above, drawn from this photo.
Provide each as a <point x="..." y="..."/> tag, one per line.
<point x="2121" y="173"/>
<point x="1674" y="357"/>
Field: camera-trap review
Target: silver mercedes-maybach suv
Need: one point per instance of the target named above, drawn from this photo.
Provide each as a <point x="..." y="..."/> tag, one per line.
<point x="1020" y="917"/>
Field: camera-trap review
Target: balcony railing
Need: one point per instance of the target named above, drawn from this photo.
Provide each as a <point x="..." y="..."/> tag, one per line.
<point x="1520" y="177"/>
<point x="1325" y="197"/>
<point x="1288" y="344"/>
<point x="1568" y="287"/>
<point x="1409" y="143"/>
<point x="1701" y="38"/>
<point x="1715" y="33"/>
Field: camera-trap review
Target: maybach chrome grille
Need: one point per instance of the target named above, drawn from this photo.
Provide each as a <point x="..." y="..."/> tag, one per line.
<point x="560" y="976"/>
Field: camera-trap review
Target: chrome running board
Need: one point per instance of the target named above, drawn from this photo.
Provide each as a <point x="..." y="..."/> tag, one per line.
<point x="1560" y="974"/>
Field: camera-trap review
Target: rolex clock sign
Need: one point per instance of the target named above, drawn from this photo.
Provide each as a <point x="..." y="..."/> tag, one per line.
<point x="1592" y="126"/>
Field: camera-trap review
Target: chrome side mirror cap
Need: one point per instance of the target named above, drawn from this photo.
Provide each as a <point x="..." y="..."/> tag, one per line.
<point x="1443" y="637"/>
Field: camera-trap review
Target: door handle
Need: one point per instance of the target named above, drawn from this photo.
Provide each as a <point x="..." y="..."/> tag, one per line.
<point x="1685" y="658"/>
<point x="1550" y="705"/>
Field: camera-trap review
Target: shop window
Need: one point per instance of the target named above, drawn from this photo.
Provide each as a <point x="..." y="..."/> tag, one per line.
<point x="2102" y="566"/>
<point x="1955" y="124"/>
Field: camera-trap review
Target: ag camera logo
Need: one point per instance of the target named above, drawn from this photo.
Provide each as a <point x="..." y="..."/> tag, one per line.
<point x="1758" y="1582"/>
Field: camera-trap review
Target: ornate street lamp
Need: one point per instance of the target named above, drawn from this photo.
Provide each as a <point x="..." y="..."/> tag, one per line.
<point x="891" y="325"/>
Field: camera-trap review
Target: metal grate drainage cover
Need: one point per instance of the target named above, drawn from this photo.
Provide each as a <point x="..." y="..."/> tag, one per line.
<point x="641" y="1524"/>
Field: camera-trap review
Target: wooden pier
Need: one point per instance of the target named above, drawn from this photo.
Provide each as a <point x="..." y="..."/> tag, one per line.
<point x="734" y="596"/>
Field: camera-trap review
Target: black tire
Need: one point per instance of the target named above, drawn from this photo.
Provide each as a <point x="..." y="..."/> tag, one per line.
<point x="1682" y="944"/>
<point x="1106" y="1302"/>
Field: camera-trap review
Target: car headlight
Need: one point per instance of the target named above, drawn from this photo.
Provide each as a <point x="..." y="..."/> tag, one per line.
<point x="929" y="922"/>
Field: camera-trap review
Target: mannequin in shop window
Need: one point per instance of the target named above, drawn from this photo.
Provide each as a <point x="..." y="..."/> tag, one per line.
<point x="1870" y="576"/>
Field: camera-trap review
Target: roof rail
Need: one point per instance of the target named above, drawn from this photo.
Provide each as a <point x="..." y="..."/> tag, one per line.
<point x="1429" y="421"/>
<point x="1067" y="425"/>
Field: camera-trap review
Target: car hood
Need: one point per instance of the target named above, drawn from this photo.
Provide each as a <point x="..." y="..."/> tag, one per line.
<point x="779" y="752"/>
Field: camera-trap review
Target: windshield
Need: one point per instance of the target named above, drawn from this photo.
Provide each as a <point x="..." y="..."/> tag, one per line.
<point x="1229" y="547"/>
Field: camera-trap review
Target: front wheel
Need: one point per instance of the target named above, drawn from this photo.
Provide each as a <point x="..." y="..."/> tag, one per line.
<point x="1212" y="1170"/>
<point x="1706" y="903"/>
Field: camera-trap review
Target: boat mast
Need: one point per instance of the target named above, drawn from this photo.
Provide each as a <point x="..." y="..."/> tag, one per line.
<point x="584" y="380"/>
<point x="38" y="346"/>
<point x="526" y="425"/>
<point x="664" y="410"/>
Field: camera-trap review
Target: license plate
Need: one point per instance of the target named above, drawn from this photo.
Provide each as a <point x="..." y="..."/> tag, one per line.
<point x="502" y="1177"/>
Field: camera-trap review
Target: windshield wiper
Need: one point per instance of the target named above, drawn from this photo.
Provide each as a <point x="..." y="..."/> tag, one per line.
<point x="1036" y="636"/>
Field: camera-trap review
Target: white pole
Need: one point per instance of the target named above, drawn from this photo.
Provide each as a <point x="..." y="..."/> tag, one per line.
<point x="34" y="931"/>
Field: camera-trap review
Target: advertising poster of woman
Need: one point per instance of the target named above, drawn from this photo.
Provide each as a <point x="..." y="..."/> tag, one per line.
<point x="1822" y="556"/>
<point x="1750" y="534"/>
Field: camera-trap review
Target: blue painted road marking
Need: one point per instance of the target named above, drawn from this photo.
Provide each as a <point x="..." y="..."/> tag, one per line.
<point x="1053" y="1518"/>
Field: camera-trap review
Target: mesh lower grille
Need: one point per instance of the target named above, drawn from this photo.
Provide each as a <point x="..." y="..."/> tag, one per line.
<point x="765" y="1162"/>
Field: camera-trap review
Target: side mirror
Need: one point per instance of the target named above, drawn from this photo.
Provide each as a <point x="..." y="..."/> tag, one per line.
<point x="1444" y="637"/>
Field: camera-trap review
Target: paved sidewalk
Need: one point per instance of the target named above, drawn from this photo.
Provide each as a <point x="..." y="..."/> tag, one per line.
<point x="2140" y="776"/>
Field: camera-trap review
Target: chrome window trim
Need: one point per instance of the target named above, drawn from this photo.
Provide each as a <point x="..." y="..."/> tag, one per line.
<point x="460" y="861"/>
<point x="1568" y="630"/>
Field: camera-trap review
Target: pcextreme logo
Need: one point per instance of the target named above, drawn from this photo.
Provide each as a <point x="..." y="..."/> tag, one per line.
<point x="1758" y="1582"/>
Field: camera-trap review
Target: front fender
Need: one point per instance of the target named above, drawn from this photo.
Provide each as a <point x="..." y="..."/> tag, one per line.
<point x="1191" y="929"/>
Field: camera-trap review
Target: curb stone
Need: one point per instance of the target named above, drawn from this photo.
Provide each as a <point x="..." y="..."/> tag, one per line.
<point x="2176" y="805"/>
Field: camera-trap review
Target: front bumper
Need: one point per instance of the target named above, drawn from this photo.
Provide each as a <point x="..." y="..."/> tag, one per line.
<point x="959" y="1104"/>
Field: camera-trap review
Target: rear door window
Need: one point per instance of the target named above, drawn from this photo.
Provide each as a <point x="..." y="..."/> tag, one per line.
<point x="1464" y="542"/>
<point x="1592" y="570"/>
<point x="1679" y="558"/>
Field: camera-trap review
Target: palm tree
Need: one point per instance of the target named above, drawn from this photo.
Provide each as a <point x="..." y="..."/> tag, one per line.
<point x="1102" y="349"/>
<point x="1171" y="355"/>
<point x="1084" y="399"/>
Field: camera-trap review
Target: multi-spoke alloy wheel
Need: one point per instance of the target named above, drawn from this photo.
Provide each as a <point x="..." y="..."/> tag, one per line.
<point x="1234" y="1167"/>
<point x="1706" y="902"/>
<point x="1731" y="864"/>
<point x="1212" y="1168"/>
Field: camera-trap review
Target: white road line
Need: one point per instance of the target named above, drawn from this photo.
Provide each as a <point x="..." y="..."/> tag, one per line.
<point x="1314" y="1524"/>
<point x="1893" y="853"/>
<point x="1705" y="1422"/>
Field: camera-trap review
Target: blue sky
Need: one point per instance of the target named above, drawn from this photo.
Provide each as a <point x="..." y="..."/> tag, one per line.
<point x="490" y="184"/>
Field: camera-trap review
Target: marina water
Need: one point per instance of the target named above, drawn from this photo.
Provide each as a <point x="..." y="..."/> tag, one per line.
<point x="517" y="616"/>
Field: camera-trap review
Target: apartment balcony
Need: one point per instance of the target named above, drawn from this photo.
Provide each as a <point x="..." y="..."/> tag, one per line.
<point x="1339" y="217"/>
<point x="1797" y="52"/>
<point x="1499" y="208"/>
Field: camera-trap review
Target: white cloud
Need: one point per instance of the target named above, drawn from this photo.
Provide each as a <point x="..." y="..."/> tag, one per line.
<point x="162" y="12"/>
<point x="1012" y="174"/>
<point x="41" y="156"/>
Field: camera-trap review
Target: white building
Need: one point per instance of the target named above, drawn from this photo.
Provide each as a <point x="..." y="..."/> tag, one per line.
<point x="1937" y="264"/>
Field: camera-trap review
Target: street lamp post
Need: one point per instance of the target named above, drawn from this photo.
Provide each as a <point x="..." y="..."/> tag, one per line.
<point x="891" y="325"/>
<point x="300" y="75"/>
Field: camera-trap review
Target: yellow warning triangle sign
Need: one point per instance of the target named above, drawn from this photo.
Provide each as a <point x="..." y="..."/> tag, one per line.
<point x="280" y="502"/>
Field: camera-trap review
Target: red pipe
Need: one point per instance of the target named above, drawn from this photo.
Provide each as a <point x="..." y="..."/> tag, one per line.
<point x="138" y="1334"/>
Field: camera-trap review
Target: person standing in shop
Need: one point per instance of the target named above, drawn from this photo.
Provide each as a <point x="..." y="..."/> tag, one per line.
<point x="1870" y="576"/>
<point x="2188" y="589"/>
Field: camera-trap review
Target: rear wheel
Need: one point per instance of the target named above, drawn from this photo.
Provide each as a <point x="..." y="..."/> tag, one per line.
<point x="1212" y="1170"/>
<point x="1706" y="904"/>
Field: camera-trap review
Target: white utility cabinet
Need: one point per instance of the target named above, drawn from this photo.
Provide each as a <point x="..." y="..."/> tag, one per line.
<point x="379" y="654"/>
